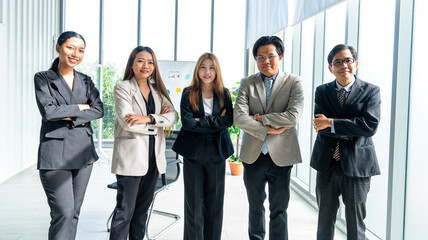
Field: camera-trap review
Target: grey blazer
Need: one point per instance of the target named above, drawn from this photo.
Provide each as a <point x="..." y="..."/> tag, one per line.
<point x="284" y="109"/>
<point x="131" y="143"/>
<point x="66" y="144"/>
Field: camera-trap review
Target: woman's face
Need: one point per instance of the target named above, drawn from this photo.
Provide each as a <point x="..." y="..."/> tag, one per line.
<point x="143" y="66"/>
<point x="207" y="72"/>
<point x="71" y="52"/>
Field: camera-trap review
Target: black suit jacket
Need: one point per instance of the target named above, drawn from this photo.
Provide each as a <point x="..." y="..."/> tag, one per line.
<point x="66" y="144"/>
<point x="354" y="126"/>
<point x="192" y="131"/>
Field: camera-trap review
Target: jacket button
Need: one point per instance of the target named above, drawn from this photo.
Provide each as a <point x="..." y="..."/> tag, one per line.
<point x="83" y="124"/>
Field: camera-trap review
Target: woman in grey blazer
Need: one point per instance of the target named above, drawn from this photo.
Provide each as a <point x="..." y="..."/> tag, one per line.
<point x="143" y="108"/>
<point x="67" y="101"/>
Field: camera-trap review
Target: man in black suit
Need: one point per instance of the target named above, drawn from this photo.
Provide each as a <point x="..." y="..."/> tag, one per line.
<point x="347" y="114"/>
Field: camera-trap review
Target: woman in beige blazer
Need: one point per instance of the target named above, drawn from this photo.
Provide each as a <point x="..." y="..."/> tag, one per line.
<point x="143" y="109"/>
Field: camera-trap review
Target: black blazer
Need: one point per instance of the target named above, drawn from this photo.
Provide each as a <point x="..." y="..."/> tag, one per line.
<point x="66" y="144"/>
<point x="192" y="131"/>
<point x="354" y="126"/>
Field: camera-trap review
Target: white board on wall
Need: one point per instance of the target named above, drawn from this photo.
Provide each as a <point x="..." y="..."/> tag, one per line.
<point x="176" y="75"/>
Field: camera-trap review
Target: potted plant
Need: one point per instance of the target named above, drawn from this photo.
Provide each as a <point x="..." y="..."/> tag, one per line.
<point x="235" y="162"/>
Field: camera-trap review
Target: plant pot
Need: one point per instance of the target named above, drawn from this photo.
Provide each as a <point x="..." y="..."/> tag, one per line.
<point x="235" y="168"/>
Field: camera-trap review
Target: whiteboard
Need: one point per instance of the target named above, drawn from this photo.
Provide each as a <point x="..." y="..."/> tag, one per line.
<point x="176" y="75"/>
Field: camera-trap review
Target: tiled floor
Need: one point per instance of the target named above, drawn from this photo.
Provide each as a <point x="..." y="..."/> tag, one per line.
<point x="24" y="213"/>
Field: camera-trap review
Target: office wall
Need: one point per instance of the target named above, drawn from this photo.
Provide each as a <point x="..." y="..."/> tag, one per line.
<point x="27" y="33"/>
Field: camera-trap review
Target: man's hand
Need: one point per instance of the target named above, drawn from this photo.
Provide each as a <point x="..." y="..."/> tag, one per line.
<point x="321" y="122"/>
<point x="258" y="118"/>
<point x="132" y="119"/>
<point x="277" y="130"/>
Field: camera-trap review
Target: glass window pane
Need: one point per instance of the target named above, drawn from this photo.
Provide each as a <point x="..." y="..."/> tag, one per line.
<point x="306" y="72"/>
<point x="374" y="32"/>
<point x="120" y="31"/>
<point x="87" y="26"/>
<point x="288" y="49"/>
<point x="230" y="52"/>
<point x="158" y="27"/>
<point x="335" y="27"/>
<point x="194" y="29"/>
<point x="416" y="207"/>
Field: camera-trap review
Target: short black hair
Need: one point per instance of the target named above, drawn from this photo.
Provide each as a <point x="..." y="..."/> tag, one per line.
<point x="266" y="40"/>
<point x="338" y="48"/>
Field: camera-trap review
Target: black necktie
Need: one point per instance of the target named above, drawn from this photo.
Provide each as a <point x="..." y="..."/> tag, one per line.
<point x="341" y="98"/>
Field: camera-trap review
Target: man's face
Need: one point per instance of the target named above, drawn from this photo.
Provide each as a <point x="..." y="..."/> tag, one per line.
<point x="268" y="60"/>
<point x="343" y="71"/>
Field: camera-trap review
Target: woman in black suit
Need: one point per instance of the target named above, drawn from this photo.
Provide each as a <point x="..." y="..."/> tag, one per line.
<point x="68" y="101"/>
<point x="204" y="142"/>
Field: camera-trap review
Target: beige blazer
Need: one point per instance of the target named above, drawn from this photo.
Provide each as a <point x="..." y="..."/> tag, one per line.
<point x="131" y="144"/>
<point x="284" y="109"/>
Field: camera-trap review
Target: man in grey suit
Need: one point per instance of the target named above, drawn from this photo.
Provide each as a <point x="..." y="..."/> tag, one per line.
<point x="268" y="108"/>
<point x="347" y="114"/>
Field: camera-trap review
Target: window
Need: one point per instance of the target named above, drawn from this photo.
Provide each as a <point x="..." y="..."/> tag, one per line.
<point x="194" y="29"/>
<point x="158" y="27"/>
<point x="306" y="72"/>
<point x="416" y="195"/>
<point x="376" y="40"/>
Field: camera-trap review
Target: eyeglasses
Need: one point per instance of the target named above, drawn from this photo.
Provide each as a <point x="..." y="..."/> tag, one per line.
<point x="339" y="62"/>
<point x="263" y="58"/>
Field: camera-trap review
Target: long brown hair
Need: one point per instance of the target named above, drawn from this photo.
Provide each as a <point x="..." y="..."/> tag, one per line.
<point x="196" y="85"/>
<point x="156" y="77"/>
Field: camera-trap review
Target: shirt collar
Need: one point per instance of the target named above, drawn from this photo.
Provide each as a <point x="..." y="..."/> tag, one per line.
<point x="273" y="77"/>
<point x="347" y="87"/>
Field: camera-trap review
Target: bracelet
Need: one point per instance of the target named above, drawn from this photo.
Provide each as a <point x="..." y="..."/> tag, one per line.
<point x="152" y="119"/>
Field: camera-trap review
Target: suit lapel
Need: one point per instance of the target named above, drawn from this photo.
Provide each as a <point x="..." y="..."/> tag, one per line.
<point x="58" y="83"/>
<point x="216" y="106"/>
<point x="261" y="90"/>
<point x="356" y="90"/>
<point x="156" y="97"/>
<point x="277" y="85"/>
<point x="79" y="89"/>
<point x="135" y="93"/>
<point x="332" y="96"/>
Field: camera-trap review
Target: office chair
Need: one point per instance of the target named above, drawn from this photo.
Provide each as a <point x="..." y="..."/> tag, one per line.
<point x="164" y="181"/>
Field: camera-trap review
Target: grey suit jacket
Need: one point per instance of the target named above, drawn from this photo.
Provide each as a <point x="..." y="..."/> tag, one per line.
<point x="284" y="109"/>
<point x="131" y="143"/>
<point x="66" y="144"/>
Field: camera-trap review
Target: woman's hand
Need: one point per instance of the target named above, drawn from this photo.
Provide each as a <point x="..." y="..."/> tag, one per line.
<point x="83" y="107"/>
<point x="165" y="109"/>
<point x="132" y="119"/>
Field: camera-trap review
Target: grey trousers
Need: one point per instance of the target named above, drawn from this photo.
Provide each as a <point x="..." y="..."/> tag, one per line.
<point x="330" y="185"/>
<point x="65" y="190"/>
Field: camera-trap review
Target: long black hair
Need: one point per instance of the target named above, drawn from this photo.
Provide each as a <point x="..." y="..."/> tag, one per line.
<point x="62" y="39"/>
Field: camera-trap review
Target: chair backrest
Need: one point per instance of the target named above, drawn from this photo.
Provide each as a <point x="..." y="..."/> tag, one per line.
<point x="172" y="165"/>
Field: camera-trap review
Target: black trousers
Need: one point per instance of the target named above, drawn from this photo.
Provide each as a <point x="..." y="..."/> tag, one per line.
<point x="330" y="185"/>
<point x="65" y="190"/>
<point x="256" y="175"/>
<point x="204" y="179"/>
<point x="134" y="196"/>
